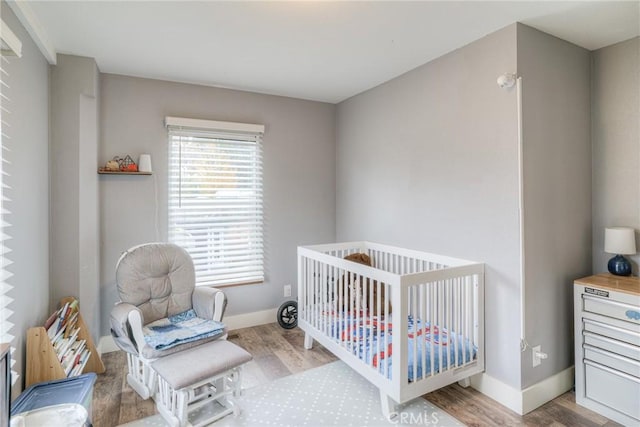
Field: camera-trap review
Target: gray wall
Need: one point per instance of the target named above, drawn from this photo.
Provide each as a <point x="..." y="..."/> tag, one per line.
<point x="299" y="175"/>
<point x="88" y="224"/>
<point x="616" y="144"/>
<point x="74" y="189"/>
<point x="557" y="192"/>
<point x="428" y="161"/>
<point x="28" y="170"/>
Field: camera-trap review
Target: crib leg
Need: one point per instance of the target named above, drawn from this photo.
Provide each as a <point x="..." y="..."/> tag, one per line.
<point x="308" y="341"/>
<point x="388" y="406"/>
<point x="465" y="382"/>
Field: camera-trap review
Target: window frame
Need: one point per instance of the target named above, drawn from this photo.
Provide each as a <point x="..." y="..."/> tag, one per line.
<point x="233" y="189"/>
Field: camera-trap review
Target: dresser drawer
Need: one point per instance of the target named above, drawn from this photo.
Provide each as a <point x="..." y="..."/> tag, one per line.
<point x="612" y="360"/>
<point x="621" y="334"/>
<point x="614" y="309"/>
<point x="612" y="388"/>
<point x="611" y="345"/>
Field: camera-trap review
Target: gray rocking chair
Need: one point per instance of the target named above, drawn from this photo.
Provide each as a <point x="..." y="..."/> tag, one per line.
<point x="155" y="281"/>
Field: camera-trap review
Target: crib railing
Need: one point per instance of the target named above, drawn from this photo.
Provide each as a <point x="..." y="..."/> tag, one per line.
<point x="422" y="311"/>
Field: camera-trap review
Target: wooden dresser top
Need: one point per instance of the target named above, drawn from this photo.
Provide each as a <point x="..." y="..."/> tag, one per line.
<point x="628" y="284"/>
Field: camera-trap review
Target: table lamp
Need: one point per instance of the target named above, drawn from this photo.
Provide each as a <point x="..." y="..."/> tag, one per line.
<point x="619" y="241"/>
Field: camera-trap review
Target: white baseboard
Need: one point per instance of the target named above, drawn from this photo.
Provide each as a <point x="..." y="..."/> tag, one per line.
<point x="498" y="391"/>
<point x="106" y="344"/>
<point x="524" y="401"/>
<point x="239" y="321"/>
<point x="540" y="393"/>
<point x="248" y="320"/>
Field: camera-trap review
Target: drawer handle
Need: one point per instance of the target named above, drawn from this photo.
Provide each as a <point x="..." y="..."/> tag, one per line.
<point x="612" y="371"/>
<point x="611" y="355"/>
<point x="612" y="341"/>
<point x="610" y="327"/>
<point x="607" y="301"/>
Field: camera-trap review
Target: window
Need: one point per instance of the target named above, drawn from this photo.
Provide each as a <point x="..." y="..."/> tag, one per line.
<point x="215" y="198"/>
<point x="10" y="46"/>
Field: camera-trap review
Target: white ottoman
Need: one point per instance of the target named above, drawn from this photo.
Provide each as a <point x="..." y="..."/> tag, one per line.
<point x="192" y="378"/>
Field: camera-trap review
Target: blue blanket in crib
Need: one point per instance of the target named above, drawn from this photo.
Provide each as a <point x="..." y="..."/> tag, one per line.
<point x="367" y="338"/>
<point x="179" y="329"/>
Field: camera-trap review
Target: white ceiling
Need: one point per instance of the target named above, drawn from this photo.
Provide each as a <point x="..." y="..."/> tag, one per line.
<point x="325" y="51"/>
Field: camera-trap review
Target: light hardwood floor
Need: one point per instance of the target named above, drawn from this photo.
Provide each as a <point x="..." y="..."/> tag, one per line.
<point x="278" y="352"/>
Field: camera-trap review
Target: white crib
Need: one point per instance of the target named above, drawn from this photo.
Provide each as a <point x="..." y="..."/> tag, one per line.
<point x="436" y="300"/>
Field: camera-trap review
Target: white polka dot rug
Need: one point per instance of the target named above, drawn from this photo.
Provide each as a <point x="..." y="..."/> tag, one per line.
<point x="331" y="395"/>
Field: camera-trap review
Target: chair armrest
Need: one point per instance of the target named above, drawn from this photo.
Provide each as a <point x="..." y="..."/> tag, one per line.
<point x="121" y="328"/>
<point x="209" y="303"/>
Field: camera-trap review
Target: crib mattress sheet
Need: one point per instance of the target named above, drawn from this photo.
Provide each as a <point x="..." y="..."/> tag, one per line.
<point x="367" y="337"/>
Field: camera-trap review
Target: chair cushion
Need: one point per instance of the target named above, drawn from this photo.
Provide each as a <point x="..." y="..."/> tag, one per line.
<point x="158" y="278"/>
<point x="206" y="361"/>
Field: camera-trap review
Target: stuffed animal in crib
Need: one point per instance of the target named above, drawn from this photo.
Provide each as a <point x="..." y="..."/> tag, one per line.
<point x="355" y="291"/>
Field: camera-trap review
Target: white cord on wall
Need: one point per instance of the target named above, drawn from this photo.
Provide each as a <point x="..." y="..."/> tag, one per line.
<point x="507" y="81"/>
<point x="523" y="289"/>
<point x="155" y="216"/>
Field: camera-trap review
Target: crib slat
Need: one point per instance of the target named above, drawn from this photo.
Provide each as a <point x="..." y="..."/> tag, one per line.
<point x="470" y="308"/>
<point x="380" y="318"/>
<point x="341" y="306"/>
<point x="370" y="317"/>
<point x="323" y="313"/>
<point x="357" y="286"/>
<point x="438" y="325"/>
<point x="456" y="324"/>
<point x="413" y="298"/>
<point x="448" y="305"/>
<point x="465" y="316"/>
<point x="334" y="303"/>
<point x="309" y="291"/>
<point x="314" y="293"/>
<point x="432" y="308"/>
<point x="423" y="316"/>
<point x="385" y="349"/>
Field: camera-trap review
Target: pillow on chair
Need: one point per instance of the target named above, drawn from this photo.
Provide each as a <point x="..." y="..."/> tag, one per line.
<point x="158" y="278"/>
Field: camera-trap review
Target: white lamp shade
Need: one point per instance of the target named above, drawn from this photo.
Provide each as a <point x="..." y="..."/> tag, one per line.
<point x="620" y="240"/>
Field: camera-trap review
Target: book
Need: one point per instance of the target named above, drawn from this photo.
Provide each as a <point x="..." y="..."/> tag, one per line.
<point x="53" y="329"/>
<point x="50" y="320"/>
<point x="66" y="344"/>
<point x="79" y="367"/>
<point x="56" y="338"/>
<point x="71" y="324"/>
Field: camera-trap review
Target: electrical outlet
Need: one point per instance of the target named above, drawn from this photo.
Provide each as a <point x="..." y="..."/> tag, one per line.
<point x="538" y="355"/>
<point x="287" y="290"/>
<point x="536" y="351"/>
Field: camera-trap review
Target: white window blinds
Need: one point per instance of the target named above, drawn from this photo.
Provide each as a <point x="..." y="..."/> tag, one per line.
<point x="215" y="198"/>
<point x="10" y="46"/>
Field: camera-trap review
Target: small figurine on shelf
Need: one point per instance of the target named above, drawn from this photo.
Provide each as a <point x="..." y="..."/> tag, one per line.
<point x="128" y="165"/>
<point x="112" y="165"/>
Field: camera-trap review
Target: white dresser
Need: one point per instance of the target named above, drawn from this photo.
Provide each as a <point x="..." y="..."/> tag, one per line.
<point x="607" y="346"/>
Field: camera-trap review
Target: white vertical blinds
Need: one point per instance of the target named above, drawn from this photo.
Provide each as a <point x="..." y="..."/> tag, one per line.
<point x="215" y="200"/>
<point x="5" y="287"/>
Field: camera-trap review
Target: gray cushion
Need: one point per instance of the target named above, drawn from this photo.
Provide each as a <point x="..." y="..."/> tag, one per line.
<point x="205" y="361"/>
<point x="158" y="278"/>
<point x="120" y="329"/>
<point x="204" y="299"/>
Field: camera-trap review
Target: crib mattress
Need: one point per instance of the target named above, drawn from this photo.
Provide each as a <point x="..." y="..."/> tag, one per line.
<point x="367" y="337"/>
